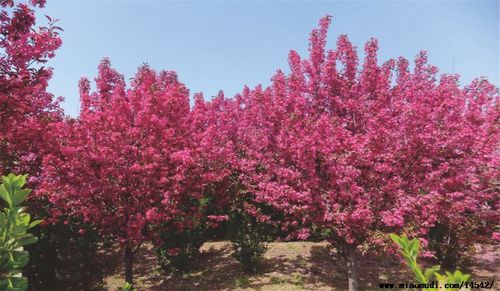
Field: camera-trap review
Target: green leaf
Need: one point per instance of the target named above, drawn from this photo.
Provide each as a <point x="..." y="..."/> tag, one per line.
<point x="405" y="242"/>
<point x="128" y="287"/>
<point x="429" y="273"/>
<point x="18" y="284"/>
<point x="414" y="248"/>
<point x="5" y="195"/>
<point x="7" y="182"/>
<point x="18" y="259"/>
<point x="19" y="196"/>
<point x="28" y="241"/>
<point x="35" y="223"/>
<point x="441" y="278"/>
<point x="395" y="238"/>
<point x="22" y="180"/>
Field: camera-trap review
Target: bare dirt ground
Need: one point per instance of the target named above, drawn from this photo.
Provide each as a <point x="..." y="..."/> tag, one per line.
<point x="287" y="266"/>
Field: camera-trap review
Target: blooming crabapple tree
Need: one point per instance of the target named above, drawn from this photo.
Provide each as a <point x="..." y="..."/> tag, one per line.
<point x="211" y="135"/>
<point x="364" y="150"/>
<point x="25" y="105"/>
<point x="217" y="126"/>
<point x="124" y="164"/>
<point x="448" y="161"/>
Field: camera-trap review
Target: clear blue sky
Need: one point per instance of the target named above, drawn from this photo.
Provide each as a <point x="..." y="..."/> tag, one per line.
<point x="215" y="45"/>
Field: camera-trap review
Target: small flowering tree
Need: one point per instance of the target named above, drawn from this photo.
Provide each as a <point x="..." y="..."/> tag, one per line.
<point x="122" y="164"/>
<point x="363" y="151"/>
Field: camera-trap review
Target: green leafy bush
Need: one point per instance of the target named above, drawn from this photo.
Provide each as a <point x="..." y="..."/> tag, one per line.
<point x="249" y="238"/>
<point x="410" y="249"/>
<point x="14" y="236"/>
<point x="65" y="255"/>
<point x="178" y="248"/>
<point x="453" y="244"/>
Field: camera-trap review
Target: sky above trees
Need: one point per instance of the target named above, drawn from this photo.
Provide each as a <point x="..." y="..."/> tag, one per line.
<point x="224" y="45"/>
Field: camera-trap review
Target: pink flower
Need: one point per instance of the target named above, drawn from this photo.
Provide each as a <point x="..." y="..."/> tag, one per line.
<point x="303" y="234"/>
<point x="174" y="252"/>
<point x="218" y="218"/>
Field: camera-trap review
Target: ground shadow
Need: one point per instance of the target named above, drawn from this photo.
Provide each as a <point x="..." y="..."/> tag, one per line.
<point x="286" y="266"/>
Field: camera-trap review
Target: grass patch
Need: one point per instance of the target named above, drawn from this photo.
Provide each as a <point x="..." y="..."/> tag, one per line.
<point x="241" y="282"/>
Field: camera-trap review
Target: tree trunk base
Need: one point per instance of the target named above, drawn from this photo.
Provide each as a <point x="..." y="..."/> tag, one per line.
<point x="352" y="268"/>
<point x="129" y="277"/>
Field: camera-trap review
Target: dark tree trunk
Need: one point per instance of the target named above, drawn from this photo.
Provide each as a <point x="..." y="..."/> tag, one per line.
<point x="352" y="268"/>
<point x="129" y="277"/>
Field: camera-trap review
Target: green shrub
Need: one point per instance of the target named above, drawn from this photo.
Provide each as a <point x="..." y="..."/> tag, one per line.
<point x="14" y="236"/>
<point x="249" y="238"/>
<point x="179" y="247"/>
<point x="410" y="249"/>
<point x="65" y="255"/>
<point x="453" y="244"/>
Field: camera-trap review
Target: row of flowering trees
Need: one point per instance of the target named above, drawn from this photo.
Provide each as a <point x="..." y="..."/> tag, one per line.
<point x="358" y="150"/>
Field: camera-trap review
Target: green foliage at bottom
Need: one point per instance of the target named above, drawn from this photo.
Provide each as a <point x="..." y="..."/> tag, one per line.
<point x="453" y="244"/>
<point x="14" y="236"/>
<point x="179" y="247"/>
<point x="128" y="287"/>
<point x="249" y="238"/>
<point x="410" y="250"/>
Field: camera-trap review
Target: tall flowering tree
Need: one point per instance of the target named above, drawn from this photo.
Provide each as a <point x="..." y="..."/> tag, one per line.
<point x="211" y="173"/>
<point x="366" y="150"/>
<point x="447" y="161"/>
<point x="25" y="105"/>
<point x="124" y="164"/>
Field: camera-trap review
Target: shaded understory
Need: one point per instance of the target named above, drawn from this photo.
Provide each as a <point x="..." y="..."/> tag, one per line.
<point x="287" y="266"/>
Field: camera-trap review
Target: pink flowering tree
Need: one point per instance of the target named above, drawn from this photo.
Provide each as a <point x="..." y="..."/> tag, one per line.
<point x="447" y="161"/>
<point x="371" y="149"/>
<point x="211" y="174"/>
<point x="25" y="105"/>
<point x="124" y="165"/>
<point x="217" y="131"/>
<point x="214" y="132"/>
